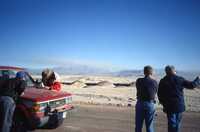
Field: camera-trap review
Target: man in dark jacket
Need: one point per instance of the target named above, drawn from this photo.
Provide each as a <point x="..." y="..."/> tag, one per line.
<point x="171" y="96"/>
<point x="10" y="90"/>
<point x="145" y="109"/>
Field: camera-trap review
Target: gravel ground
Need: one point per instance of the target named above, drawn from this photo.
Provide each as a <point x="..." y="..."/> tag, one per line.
<point x="91" y="118"/>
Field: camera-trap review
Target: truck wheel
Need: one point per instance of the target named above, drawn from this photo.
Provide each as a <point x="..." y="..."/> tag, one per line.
<point x="55" y="121"/>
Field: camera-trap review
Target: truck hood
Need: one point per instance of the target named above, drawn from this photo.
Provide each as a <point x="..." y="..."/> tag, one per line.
<point x="39" y="95"/>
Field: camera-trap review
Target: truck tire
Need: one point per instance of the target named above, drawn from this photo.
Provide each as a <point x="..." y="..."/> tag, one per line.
<point x="56" y="120"/>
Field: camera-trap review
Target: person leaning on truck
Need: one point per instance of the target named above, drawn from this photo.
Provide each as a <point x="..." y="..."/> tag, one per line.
<point x="145" y="107"/>
<point x="170" y="95"/>
<point x="51" y="80"/>
<point x="10" y="90"/>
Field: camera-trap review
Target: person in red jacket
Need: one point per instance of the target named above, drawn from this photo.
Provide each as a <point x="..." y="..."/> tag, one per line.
<point x="56" y="82"/>
<point x="51" y="80"/>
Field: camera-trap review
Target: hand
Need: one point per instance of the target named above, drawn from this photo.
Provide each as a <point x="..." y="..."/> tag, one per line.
<point x="198" y="82"/>
<point x="48" y="88"/>
<point x="198" y="78"/>
<point x="54" y="90"/>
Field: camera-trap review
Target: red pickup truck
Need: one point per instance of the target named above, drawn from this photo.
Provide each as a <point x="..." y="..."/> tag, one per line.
<point x="38" y="107"/>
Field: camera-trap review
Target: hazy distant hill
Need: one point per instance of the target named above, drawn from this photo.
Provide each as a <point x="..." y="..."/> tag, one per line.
<point x="75" y="70"/>
<point x="89" y="70"/>
<point x="81" y="69"/>
<point x="127" y="73"/>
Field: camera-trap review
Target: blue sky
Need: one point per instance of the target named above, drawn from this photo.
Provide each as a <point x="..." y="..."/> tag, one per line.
<point x="123" y="34"/>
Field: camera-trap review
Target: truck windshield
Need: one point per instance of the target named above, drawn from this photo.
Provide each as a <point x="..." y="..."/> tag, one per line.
<point x="29" y="80"/>
<point x="12" y="73"/>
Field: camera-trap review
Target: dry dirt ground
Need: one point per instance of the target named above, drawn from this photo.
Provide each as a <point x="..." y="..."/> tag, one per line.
<point x="91" y="118"/>
<point x="107" y="94"/>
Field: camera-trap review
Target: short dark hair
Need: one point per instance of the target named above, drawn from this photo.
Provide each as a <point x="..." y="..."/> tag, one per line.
<point x="169" y="69"/>
<point x="148" y="70"/>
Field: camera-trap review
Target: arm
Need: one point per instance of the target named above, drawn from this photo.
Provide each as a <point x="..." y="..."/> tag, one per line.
<point x="156" y="88"/>
<point x="191" y="84"/>
<point x="197" y="82"/>
<point x="21" y="87"/>
<point x="137" y="87"/>
<point x="137" y="83"/>
<point x="160" y="92"/>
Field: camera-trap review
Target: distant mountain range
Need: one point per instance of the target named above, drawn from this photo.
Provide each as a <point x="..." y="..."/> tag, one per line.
<point x="74" y="70"/>
<point x="128" y="73"/>
<point x="89" y="70"/>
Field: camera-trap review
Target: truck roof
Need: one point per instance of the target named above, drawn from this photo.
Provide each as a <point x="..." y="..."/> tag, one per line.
<point x="11" y="68"/>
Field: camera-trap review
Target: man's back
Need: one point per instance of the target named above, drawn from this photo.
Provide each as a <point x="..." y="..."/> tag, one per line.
<point x="11" y="87"/>
<point x="146" y="88"/>
<point x="171" y="96"/>
<point x="170" y="92"/>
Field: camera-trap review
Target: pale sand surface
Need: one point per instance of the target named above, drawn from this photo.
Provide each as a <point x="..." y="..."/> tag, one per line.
<point x="108" y="94"/>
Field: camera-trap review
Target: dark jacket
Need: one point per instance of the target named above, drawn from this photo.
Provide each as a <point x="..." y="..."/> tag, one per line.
<point x="146" y="89"/>
<point x="170" y="92"/>
<point x="12" y="87"/>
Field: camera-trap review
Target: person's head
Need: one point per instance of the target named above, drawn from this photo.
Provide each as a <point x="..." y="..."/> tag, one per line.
<point x="148" y="70"/>
<point x="170" y="70"/>
<point x="46" y="73"/>
<point x="20" y="75"/>
<point x="48" y="77"/>
<point x="51" y="79"/>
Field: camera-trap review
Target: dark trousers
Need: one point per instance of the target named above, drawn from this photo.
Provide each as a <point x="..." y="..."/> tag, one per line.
<point x="174" y="122"/>
<point x="7" y="107"/>
<point x="145" y="110"/>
